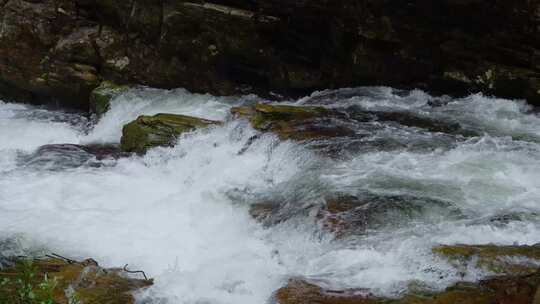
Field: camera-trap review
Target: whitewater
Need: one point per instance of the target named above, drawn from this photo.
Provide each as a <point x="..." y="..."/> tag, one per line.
<point x="182" y="213"/>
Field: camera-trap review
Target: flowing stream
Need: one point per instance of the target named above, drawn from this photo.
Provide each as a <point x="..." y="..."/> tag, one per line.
<point x="182" y="214"/>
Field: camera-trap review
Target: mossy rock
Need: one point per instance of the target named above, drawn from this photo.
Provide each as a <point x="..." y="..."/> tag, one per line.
<point x="293" y="122"/>
<point x="159" y="130"/>
<point x="498" y="259"/>
<point x="523" y="289"/>
<point x="76" y="282"/>
<point x="100" y="98"/>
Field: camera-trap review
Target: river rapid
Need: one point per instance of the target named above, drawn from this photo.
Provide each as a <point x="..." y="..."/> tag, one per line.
<point x="182" y="214"/>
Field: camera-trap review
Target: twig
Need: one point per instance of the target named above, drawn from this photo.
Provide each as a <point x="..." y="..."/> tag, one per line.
<point x="135" y="271"/>
<point x="57" y="256"/>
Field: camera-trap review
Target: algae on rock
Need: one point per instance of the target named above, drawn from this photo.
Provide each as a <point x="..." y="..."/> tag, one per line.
<point x="159" y="130"/>
<point x="294" y="122"/>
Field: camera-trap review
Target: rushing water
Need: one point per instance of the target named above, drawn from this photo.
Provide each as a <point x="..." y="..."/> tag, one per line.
<point x="182" y="213"/>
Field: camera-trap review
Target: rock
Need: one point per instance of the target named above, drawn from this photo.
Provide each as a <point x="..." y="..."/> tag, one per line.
<point x="349" y="215"/>
<point x="76" y="282"/>
<point x="63" y="49"/>
<point x="347" y="129"/>
<point x="355" y="214"/>
<point x="515" y="260"/>
<point x="41" y="54"/>
<point x="298" y="291"/>
<point x="302" y="123"/>
<point x="506" y="289"/>
<point x="101" y="96"/>
<point x="158" y="130"/>
<point x="65" y="156"/>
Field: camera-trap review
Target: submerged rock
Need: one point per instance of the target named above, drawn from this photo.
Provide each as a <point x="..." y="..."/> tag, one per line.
<point x="506" y="289"/>
<point x="355" y="214"/>
<point x="498" y="259"/>
<point x="101" y="96"/>
<point x="67" y="281"/>
<point x="336" y="132"/>
<point x="158" y="130"/>
<point x="64" y="156"/>
<point x="349" y="215"/>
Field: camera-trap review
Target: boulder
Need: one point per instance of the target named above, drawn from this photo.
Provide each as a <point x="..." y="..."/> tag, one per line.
<point x="515" y="260"/>
<point x="101" y="96"/>
<point x="348" y="215"/>
<point x="67" y="281"/>
<point x="158" y="130"/>
<point x="302" y="123"/>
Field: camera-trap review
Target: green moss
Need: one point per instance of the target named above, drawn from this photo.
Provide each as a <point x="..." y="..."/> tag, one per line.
<point x="301" y="123"/>
<point x="279" y="116"/>
<point x="158" y="130"/>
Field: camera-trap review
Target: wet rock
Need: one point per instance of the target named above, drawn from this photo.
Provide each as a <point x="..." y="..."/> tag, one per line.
<point x="101" y="96"/>
<point x="158" y="130"/>
<point x="336" y="132"/>
<point x="506" y="289"/>
<point x="76" y="282"/>
<point x="298" y="291"/>
<point x="355" y="214"/>
<point x="503" y="219"/>
<point x="350" y="215"/>
<point x="65" y="156"/>
<point x="498" y="259"/>
<point x="295" y="122"/>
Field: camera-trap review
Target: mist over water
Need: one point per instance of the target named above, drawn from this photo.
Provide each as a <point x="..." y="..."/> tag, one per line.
<point x="182" y="213"/>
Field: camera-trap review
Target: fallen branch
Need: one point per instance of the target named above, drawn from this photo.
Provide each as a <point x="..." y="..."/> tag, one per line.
<point x="135" y="271"/>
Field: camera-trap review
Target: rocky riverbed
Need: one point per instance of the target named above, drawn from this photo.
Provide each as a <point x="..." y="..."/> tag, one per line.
<point x="361" y="195"/>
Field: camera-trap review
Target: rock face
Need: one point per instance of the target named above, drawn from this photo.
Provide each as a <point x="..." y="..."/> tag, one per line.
<point x="158" y="130"/>
<point x="497" y="259"/>
<point x="75" y="282"/>
<point x="63" y="49"/>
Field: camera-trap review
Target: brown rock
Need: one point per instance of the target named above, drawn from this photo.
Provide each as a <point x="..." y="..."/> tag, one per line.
<point x="500" y="290"/>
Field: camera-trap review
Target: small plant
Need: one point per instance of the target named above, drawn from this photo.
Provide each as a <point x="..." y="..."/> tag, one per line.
<point x="25" y="288"/>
